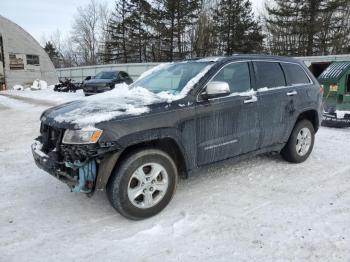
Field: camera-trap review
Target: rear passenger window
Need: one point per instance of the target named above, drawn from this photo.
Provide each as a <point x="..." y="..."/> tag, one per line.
<point x="269" y="74"/>
<point x="236" y="75"/>
<point x="295" y="74"/>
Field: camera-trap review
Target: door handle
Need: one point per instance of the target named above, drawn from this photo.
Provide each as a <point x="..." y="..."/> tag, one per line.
<point x="253" y="99"/>
<point x="292" y="93"/>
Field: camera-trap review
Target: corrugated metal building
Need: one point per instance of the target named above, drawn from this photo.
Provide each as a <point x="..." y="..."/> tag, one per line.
<point x="22" y="59"/>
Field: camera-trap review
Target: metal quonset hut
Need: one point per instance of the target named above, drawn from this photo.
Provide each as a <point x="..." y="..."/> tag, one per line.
<point x="336" y="82"/>
<point x="22" y="59"/>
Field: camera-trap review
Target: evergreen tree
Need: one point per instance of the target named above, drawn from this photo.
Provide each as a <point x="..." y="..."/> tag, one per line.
<point x="139" y="36"/>
<point x="174" y="21"/>
<point x="54" y="55"/>
<point x="307" y="27"/>
<point x="118" y="30"/>
<point x="235" y="27"/>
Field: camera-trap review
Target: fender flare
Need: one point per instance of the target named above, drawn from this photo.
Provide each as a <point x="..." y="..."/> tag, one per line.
<point x="109" y="161"/>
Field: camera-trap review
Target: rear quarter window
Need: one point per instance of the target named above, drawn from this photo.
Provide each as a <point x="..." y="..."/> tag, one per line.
<point x="295" y="75"/>
<point x="269" y="74"/>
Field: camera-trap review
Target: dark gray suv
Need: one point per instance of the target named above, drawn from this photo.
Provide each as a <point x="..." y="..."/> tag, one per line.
<point x="136" y="141"/>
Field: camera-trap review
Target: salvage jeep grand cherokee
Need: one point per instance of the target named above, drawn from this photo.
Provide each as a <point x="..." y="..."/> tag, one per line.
<point x="135" y="141"/>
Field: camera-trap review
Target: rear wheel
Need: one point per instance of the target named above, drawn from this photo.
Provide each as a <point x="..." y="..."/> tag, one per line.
<point x="300" y="143"/>
<point x="143" y="184"/>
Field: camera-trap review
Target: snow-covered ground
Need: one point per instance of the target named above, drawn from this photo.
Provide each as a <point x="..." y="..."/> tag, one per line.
<point x="262" y="209"/>
<point x="46" y="95"/>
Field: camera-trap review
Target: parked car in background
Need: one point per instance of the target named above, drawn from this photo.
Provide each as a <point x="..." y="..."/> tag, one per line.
<point x="105" y="81"/>
<point x="136" y="142"/>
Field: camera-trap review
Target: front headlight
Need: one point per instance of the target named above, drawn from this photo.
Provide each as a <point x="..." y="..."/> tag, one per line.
<point x="82" y="136"/>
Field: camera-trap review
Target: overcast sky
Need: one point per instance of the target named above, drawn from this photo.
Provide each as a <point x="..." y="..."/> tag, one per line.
<point x="42" y="17"/>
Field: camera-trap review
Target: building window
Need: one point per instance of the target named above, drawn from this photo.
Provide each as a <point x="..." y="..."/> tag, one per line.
<point x="16" y="62"/>
<point x="33" y="60"/>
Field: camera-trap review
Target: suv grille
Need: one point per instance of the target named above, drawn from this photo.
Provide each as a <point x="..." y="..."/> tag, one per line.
<point x="51" y="137"/>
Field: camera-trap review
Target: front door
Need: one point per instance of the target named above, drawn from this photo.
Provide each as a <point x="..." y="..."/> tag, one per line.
<point x="228" y="126"/>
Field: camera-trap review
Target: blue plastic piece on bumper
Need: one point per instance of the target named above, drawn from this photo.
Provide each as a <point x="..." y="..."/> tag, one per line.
<point x="87" y="175"/>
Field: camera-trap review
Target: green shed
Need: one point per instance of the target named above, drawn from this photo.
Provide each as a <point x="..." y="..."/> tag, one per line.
<point x="336" y="83"/>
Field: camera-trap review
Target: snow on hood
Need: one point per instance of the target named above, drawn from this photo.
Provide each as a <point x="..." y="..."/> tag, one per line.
<point x="122" y="100"/>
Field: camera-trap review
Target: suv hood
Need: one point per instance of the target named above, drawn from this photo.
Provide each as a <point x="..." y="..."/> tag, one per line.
<point x="119" y="103"/>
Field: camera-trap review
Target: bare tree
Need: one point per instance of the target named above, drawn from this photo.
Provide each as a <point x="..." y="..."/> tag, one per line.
<point x="89" y="30"/>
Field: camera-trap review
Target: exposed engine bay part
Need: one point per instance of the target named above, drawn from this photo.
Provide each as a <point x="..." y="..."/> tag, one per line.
<point x="87" y="175"/>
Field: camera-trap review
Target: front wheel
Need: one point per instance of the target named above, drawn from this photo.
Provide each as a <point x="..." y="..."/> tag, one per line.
<point x="143" y="184"/>
<point x="300" y="143"/>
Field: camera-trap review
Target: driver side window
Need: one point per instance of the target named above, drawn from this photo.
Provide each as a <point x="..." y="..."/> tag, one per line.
<point x="236" y="75"/>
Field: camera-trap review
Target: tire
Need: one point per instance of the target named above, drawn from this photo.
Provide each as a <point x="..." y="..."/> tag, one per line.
<point x="135" y="191"/>
<point x="300" y="143"/>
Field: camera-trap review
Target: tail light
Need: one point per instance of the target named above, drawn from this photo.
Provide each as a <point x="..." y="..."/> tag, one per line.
<point x="321" y="89"/>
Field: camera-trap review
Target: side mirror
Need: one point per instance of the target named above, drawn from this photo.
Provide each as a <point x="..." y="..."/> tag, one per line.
<point x="216" y="89"/>
<point x="88" y="78"/>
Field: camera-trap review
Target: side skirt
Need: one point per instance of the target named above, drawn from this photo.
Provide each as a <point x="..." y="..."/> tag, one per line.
<point x="275" y="148"/>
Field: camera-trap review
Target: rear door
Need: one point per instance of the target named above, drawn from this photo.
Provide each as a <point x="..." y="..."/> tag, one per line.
<point x="276" y="102"/>
<point x="300" y="86"/>
<point x="228" y="126"/>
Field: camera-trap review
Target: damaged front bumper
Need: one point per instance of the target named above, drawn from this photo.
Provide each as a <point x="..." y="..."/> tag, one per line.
<point x="51" y="166"/>
<point x="81" y="174"/>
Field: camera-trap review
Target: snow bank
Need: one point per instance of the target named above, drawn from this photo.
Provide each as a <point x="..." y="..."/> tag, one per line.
<point x="341" y="114"/>
<point x="18" y="87"/>
<point x="47" y="95"/>
<point x="39" y="85"/>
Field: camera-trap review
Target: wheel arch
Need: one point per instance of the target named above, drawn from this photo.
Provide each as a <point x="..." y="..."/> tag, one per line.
<point x="170" y="145"/>
<point x="312" y="116"/>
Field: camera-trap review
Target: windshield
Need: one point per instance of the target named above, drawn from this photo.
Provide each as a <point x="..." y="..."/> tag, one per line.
<point x="172" y="78"/>
<point x="106" y="75"/>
